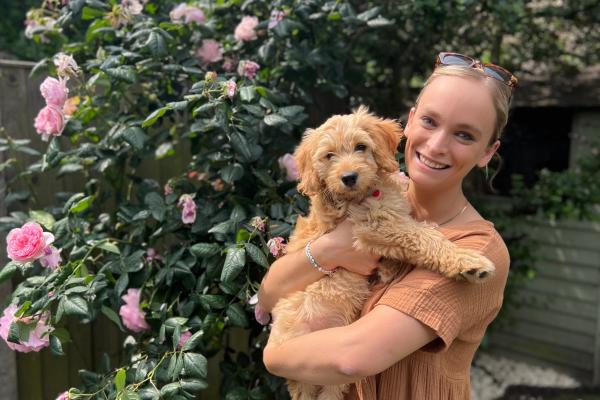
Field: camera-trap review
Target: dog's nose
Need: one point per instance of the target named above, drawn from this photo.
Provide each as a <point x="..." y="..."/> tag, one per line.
<point x="350" y="178"/>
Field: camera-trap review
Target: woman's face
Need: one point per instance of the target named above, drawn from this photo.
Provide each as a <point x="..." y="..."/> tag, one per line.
<point x="449" y="132"/>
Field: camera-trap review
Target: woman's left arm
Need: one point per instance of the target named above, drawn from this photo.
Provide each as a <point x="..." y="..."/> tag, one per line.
<point x="349" y="353"/>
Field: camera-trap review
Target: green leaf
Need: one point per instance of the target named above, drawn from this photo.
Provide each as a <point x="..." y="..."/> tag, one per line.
<point x="56" y="346"/>
<point x="156" y="204"/>
<point x="112" y="315"/>
<point x="14" y="332"/>
<point x="62" y="334"/>
<point x="232" y="173"/>
<point x="264" y="177"/>
<point x="129" y="395"/>
<point x="256" y="254"/>
<point x="70" y="167"/>
<point x="156" y="44"/>
<point x="82" y="205"/>
<point x="120" y="377"/>
<point x="204" y="250"/>
<point x="123" y="73"/>
<point x="8" y="271"/>
<point x="195" y="365"/>
<point x="154" y="116"/>
<point x="135" y="136"/>
<point x="108" y="246"/>
<point x="274" y="120"/>
<point x="247" y="93"/>
<point x="234" y="263"/>
<point x="44" y="218"/>
<point x="91" y="13"/>
<point x="222" y="227"/>
<point x="170" y="389"/>
<point x="241" y="146"/>
<point x="76" y="306"/>
<point x="193" y="341"/>
<point x="290" y="111"/>
<point x="193" y="385"/>
<point x="379" y="22"/>
<point x="213" y="301"/>
<point x="237" y="315"/>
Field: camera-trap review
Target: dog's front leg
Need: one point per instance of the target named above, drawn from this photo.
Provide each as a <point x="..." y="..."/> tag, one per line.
<point x="391" y="232"/>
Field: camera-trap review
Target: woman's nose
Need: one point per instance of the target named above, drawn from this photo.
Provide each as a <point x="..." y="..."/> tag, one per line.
<point x="438" y="141"/>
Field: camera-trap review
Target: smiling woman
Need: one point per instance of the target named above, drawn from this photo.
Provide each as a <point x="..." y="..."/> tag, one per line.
<point x="417" y="335"/>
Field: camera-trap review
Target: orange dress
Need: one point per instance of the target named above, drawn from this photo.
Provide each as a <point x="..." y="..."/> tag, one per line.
<point x="459" y="312"/>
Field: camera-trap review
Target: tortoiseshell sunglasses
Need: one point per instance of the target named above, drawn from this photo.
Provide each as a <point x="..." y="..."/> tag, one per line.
<point x="491" y="70"/>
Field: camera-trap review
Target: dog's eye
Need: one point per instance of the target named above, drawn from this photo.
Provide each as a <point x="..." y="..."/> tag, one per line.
<point x="329" y="156"/>
<point x="360" y="147"/>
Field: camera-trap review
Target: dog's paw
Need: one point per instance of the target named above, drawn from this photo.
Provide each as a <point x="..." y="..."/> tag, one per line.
<point x="473" y="266"/>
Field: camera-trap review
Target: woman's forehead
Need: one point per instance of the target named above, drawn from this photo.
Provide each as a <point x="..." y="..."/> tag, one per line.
<point x="462" y="101"/>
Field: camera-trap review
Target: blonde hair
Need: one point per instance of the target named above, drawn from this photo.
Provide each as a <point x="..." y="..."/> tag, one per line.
<point x="501" y="93"/>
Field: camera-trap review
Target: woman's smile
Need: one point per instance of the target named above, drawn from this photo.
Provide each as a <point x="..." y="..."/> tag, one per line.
<point x="430" y="163"/>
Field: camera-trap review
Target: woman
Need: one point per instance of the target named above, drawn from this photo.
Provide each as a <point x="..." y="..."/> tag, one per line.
<point x="417" y="336"/>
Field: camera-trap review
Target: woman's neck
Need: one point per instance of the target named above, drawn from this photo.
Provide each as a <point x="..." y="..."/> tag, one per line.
<point x="439" y="206"/>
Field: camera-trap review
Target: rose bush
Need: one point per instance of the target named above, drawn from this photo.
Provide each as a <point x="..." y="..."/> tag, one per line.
<point x="228" y="87"/>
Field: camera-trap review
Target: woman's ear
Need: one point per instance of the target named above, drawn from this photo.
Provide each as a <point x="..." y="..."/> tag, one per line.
<point x="489" y="153"/>
<point x="309" y="180"/>
<point x="411" y="115"/>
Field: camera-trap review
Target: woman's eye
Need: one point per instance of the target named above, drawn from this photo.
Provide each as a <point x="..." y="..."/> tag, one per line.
<point x="465" y="136"/>
<point x="329" y="156"/>
<point x="360" y="147"/>
<point x="427" y="121"/>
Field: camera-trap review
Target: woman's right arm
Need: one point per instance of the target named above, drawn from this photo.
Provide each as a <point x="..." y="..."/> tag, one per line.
<point x="294" y="272"/>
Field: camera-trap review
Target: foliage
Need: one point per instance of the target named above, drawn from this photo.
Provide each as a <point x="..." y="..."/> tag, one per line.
<point x="565" y="194"/>
<point x="145" y="100"/>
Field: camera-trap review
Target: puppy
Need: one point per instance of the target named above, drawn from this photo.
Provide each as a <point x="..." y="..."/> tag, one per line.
<point x="347" y="167"/>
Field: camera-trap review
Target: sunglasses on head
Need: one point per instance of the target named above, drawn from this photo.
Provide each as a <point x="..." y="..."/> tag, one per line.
<point x="490" y="70"/>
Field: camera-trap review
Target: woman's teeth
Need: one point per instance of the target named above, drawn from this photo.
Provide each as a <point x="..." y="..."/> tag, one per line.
<point x="430" y="163"/>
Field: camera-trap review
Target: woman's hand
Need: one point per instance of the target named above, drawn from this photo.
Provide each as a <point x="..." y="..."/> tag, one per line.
<point x="335" y="249"/>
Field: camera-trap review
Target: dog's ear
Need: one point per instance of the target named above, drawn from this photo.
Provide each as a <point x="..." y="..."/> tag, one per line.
<point x="309" y="180"/>
<point x="386" y="134"/>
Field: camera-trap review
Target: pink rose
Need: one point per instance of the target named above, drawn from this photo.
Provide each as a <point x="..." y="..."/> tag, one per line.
<point x="65" y="65"/>
<point x="184" y="337"/>
<point x="38" y="336"/>
<point x="245" y="30"/>
<point x="247" y="68"/>
<point x="168" y="189"/>
<point x="133" y="7"/>
<point x="28" y="242"/>
<point x="187" y="13"/>
<point x="228" y="64"/>
<point x="63" y="396"/>
<point x="276" y="246"/>
<point x="49" y="121"/>
<point x="230" y="88"/>
<point x="188" y="212"/>
<point x="54" y="91"/>
<point x="258" y="223"/>
<point x="210" y="51"/>
<point x="131" y="314"/>
<point x="276" y="17"/>
<point x="288" y="164"/>
<point x="51" y="258"/>
<point x="152" y="255"/>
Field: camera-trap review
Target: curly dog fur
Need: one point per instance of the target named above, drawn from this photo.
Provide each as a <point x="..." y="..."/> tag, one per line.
<point x="341" y="164"/>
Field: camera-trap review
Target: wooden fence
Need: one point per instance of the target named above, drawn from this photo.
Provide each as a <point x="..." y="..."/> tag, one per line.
<point x="560" y="325"/>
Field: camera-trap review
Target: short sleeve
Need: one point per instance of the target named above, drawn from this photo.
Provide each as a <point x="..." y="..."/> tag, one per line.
<point x="446" y="305"/>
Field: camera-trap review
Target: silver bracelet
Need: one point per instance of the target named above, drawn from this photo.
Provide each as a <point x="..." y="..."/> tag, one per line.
<point x="314" y="263"/>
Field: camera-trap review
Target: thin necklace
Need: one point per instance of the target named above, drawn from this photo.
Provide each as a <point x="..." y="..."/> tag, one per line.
<point x="456" y="215"/>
